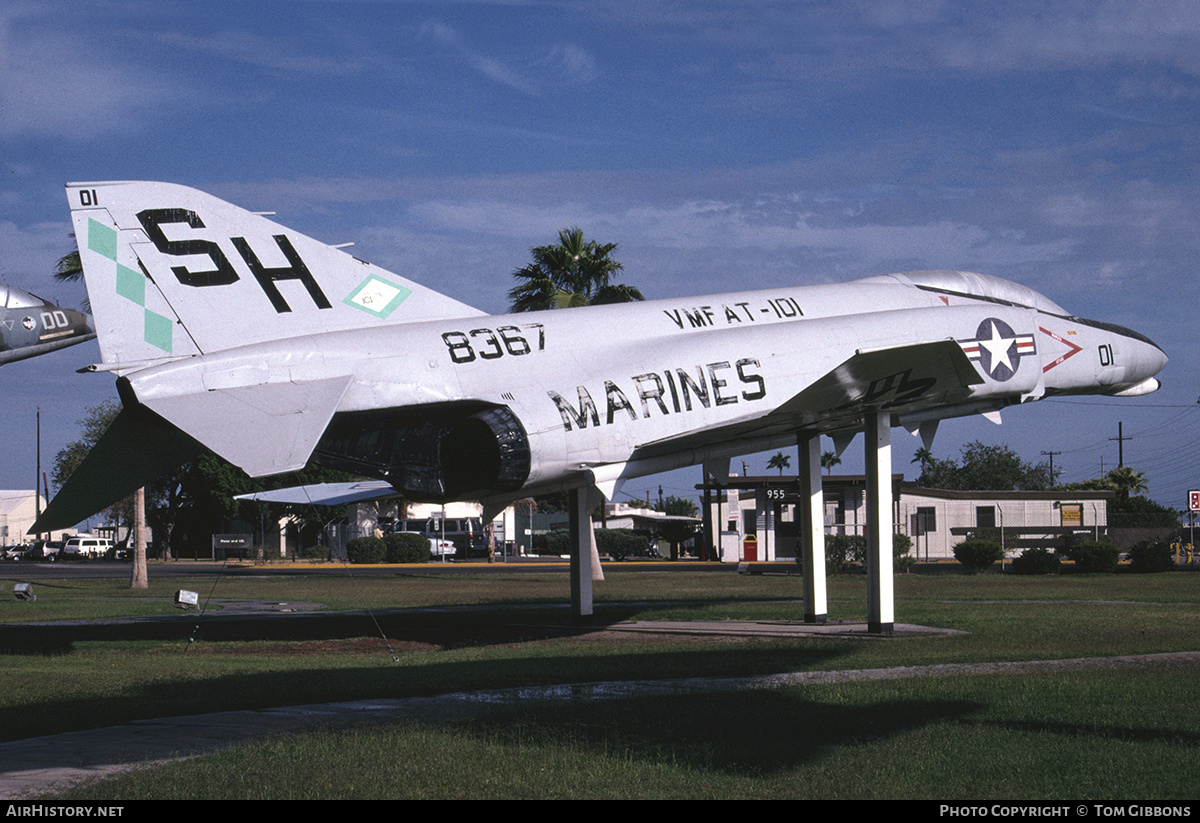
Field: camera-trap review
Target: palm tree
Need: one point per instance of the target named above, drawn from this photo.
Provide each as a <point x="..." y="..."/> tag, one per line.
<point x="70" y="270"/>
<point x="780" y="461"/>
<point x="576" y="272"/>
<point x="922" y="456"/>
<point x="1126" y="481"/>
<point x="829" y="460"/>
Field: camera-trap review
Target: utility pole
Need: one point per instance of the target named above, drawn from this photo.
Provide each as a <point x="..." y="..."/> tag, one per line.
<point x="1120" y="438"/>
<point x="139" y="579"/>
<point x="37" y="490"/>
<point x="1051" y="453"/>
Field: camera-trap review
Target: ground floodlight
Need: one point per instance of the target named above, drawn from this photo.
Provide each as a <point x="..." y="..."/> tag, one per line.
<point x="185" y="599"/>
<point x="24" y="591"/>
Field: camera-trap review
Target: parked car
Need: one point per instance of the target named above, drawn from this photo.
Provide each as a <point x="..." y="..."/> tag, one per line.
<point x="47" y="550"/>
<point x="87" y="547"/>
<point x="465" y="532"/>
<point x="120" y="551"/>
<point x="17" y="552"/>
<point x="437" y="546"/>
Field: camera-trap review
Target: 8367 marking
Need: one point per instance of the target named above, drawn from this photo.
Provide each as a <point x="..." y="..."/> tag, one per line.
<point x="486" y="344"/>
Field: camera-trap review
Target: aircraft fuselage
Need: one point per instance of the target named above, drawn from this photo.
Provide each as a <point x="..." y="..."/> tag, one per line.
<point x="661" y="384"/>
<point x="30" y="326"/>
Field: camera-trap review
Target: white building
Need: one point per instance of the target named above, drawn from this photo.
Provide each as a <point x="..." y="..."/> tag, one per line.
<point x="18" y="511"/>
<point x="937" y="519"/>
<point x="764" y="508"/>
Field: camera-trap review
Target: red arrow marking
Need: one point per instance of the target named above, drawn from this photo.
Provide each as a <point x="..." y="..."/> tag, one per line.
<point x="1074" y="350"/>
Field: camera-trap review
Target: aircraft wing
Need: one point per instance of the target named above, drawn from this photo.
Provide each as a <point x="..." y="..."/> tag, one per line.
<point x="135" y="450"/>
<point x="898" y="378"/>
<point x="325" y="494"/>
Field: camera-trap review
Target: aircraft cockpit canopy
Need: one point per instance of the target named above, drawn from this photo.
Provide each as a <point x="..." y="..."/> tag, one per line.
<point x="983" y="286"/>
<point x="13" y="298"/>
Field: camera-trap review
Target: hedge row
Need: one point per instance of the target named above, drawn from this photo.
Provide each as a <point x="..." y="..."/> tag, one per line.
<point x="392" y="548"/>
<point x="1095" y="556"/>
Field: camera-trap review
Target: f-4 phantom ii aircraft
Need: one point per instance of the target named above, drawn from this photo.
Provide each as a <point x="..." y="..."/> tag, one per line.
<point x="30" y="326"/>
<point x="232" y="333"/>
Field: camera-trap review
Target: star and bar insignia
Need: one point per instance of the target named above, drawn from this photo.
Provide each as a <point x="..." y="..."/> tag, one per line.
<point x="998" y="349"/>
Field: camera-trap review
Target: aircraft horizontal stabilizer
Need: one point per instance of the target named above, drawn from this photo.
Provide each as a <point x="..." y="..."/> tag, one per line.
<point x="265" y="429"/>
<point x="134" y="451"/>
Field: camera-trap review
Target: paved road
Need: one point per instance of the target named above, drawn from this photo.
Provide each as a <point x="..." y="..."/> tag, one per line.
<point x="111" y="569"/>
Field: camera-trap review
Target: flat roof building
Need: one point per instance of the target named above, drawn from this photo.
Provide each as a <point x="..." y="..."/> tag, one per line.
<point x="764" y="507"/>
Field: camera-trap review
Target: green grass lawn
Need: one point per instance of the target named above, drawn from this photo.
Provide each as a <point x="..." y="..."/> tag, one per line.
<point x="1125" y="732"/>
<point x="1128" y="735"/>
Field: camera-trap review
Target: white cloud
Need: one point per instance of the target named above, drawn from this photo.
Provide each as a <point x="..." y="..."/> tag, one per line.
<point x="58" y="82"/>
<point x="28" y="255"/>
<point x="568" y="63"/>
<point x="485" y="64"/>
<point x="255" y="50"/>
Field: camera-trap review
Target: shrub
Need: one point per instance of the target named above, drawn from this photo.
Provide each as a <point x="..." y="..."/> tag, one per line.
<point x="616" y="543"/>
<point x="366" y="550"/>
<point x="977" y="554"/>
<point x="1037" y="561"/>
<point x="901" y="546"/>
<point x="407" y="548"/>
<point x="843" y="549"/>
<point x="268" y="552"/>
<point x="1095" y="556"/>
<point x="1151" y="556"/>
<point x="620" y="543"/>
<point x="314" y="552"/>
<point x="557" y="542"/>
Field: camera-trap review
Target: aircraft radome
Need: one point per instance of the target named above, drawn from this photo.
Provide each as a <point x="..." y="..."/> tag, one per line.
<point x="30" y="326"/>
<point x="229" y="332"/>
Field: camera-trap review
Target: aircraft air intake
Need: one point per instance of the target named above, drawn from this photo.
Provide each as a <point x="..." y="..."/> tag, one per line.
<point x="432" y="454"/>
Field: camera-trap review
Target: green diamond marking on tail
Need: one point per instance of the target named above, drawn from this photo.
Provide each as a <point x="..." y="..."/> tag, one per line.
<point x="377" y="296"/>
<point x="131" y="284"/>
<point x="158" y="331"/>
<point x="102" y="239"/>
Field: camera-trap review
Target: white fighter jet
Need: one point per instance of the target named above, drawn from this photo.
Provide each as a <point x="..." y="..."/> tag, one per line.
<point x="229" y="332"/>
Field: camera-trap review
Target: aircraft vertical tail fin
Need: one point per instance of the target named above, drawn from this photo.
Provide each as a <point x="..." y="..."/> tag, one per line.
<point x="173" y="272"/>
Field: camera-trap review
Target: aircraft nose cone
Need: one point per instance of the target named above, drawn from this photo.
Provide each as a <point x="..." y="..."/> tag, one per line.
<point x="1152" y="359"/>
<point x="1146" y="360"/>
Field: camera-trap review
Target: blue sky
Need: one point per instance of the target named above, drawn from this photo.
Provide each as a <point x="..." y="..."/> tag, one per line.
<point x="722" y="144"/>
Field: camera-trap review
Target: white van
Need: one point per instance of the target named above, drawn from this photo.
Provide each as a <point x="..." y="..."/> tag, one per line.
<point x="89" y="547"/>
